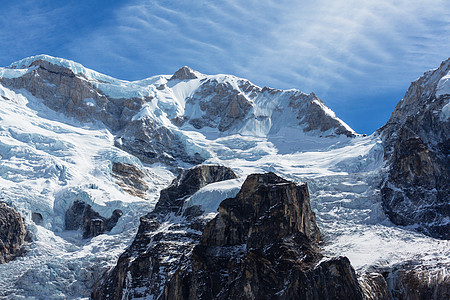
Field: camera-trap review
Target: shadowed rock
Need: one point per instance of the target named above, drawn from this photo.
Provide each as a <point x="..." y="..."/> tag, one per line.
<point x="12" y="233"/>
<point x="189" y="182"/>
<point x="162" y="240"/>
<point x="37" y="218"/>
<point x="417" y="147"/>
<point x="81" y="215"/>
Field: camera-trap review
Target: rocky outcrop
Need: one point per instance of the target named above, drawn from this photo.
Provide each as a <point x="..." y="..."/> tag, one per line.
<point x="417" y="147"/>
<point x="152" y="142"/>
<point x="374" y="287"/>
<point x="224" y="106"/>
<point x="411" y="280"/>
<point x="81" y="215"/>
<point x="163" y="239"/>
<point x="415" y="281"/>
<point x="262" y="245"/>
<point x="12" y="233"/>
<point x="130" y="178"/>
<point x="317" y="118"/>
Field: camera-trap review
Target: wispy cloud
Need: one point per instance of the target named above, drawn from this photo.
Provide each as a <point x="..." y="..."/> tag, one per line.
<point x="346" y="51"/>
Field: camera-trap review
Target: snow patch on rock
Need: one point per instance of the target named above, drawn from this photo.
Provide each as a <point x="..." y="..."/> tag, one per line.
<point x="443" y="87"/>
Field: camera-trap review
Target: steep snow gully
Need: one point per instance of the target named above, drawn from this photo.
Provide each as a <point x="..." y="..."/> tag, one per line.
<point x="60" y="136"/>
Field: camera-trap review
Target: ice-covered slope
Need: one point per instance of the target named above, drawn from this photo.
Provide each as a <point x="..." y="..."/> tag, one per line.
<point x="45" y="164"/>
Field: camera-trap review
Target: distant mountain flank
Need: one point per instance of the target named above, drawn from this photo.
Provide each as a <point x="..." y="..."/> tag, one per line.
<point x="149" y="115"/>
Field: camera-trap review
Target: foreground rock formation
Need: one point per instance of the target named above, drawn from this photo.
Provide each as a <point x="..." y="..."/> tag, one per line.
<point x="261" y="245"/>
<point x="163" y="239"/>
<point x="12" y="233"/>
<point x="417" y="147"/>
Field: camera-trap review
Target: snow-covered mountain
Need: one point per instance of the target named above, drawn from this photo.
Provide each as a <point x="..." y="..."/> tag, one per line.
<point x="76" y="144"/>
<point x="152" y="118"/>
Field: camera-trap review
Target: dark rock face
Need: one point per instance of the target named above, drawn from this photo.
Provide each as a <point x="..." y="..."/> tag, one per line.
<point x="262" y="245"/>
<point x="12" y="233"/>
<point x="375" y="287"/>
<point x="161" y="244"/>
<point x="130" y="178"/>
<point x="316" y="118"/>
<point x="153" y="143"/>
<point x="417" y="147"/>
<point x="282" y="205"/>
<point x="81" y="215"/>
<point x="224" y="106"/>
<point x="412" y="281"/>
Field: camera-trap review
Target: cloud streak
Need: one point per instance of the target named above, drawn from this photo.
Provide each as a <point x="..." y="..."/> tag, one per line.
<point x="353" y="54"/>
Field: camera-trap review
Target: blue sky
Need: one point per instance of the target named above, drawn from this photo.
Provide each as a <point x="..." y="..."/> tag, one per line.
<point x="359" y="57"/>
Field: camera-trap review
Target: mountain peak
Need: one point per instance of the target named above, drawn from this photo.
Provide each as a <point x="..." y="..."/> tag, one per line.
<point x="184" y="73"/>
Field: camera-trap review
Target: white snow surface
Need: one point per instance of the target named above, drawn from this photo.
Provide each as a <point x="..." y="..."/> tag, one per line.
<point x="113" y="87"/>
<point x="443" y="87"/>
<point x="445" y="113"/>
<point x="47" y="161"/>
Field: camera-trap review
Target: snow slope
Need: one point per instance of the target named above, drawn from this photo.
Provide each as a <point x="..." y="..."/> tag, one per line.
<point x="45" y="165"/>
<point x="48" y="160"/>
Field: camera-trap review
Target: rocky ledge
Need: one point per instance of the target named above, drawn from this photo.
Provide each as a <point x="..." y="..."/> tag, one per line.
<point x="12" y="233"/>
<point x="130" y="178"/>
